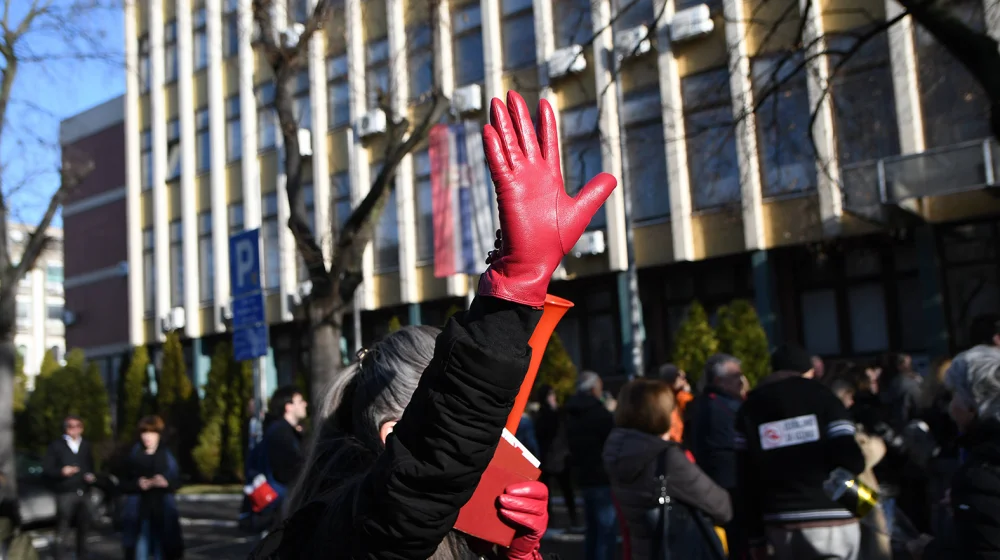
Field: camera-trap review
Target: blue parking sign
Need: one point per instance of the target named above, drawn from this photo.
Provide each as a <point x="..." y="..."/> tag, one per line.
<point x="250" y="342"/>
<point x="244" y="263"/>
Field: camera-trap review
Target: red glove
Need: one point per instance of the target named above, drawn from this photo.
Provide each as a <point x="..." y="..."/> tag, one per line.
<point x="539" y="222"/>
<point x="525" y="506"/>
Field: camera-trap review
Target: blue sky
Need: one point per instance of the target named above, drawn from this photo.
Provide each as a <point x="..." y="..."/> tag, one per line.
<point x="74" y="60"/>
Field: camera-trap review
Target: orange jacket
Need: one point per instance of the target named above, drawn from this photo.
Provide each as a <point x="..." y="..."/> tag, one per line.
<point x="677" y="416"/>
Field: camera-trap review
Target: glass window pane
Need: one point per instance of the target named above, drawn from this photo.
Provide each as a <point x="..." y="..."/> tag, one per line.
<point x="633" y="13"/>
<point x="712" y="161"/>
<point x="869" y="332"/>
<point x="820" y="329"/>
<point x="272" y="256"/>
<point x="783" y="116"/>
<point x="424" y="209"/>
<point x="909" y="303"/>
<point x="572" y="22"/>
<point x="518" y="41"/>
<point x="583" y="162"/>
<point x="340" y="104"/>
<point x="234" y="140"/>
<point x="420" y="65"/>
<point x="648" y="171"/>
<point x="466" y="19"/>
<point x="387" y="236"/>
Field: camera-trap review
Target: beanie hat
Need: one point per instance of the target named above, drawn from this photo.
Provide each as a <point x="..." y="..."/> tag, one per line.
<point x="789" y="357"/>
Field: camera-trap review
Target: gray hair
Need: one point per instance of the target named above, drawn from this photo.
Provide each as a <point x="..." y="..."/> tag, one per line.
<point x="715" y="366"/>
<point x="586" y="382"/>
<point x="974" y="376"/>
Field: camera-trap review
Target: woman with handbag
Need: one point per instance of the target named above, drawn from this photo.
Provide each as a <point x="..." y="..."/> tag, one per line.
<point x="669" y="504"/>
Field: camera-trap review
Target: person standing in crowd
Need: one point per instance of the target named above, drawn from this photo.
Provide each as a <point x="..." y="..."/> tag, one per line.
<point x="588" y="424"/>
<point x="69" y="465"/>
<point x="708" y="428"/>
<point x="676" y="379"/>
<point x="150" y="520"/>
<point x="283" y="436"/>
<point x="638" y="453"/>
<point x="553" y="444"/>
<point x="792" y="433"/>
<point x="974" y="496"/>
<point x="526" y="433"/>
<point x="819" y="368"/>
<point x="935" y="402"/>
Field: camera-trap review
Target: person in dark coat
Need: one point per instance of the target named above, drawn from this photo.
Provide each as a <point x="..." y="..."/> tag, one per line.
<point x="150" y="520"/>
<point x="974" y="496"/>
<point x="588" y="424"/>
<point x="631" y="457"/>
<point x="553" y="444"/>
<point x="407" y="431"/>
<point x="69" y="466"/>
<point x="283" y="434"/>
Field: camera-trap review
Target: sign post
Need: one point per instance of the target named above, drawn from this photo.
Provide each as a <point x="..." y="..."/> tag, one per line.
<point x="250" y="336"/>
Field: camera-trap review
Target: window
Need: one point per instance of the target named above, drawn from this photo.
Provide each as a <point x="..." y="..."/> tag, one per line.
<point x="200" y="39"/>
<point x="206" y="258"/>
<point x="647" y="161"/>
<point x="301" y="107"/>
<point x="173" y="149"/>
<point x="338" y="92"/>
<point x="54" y="311"/>
<point x="783" y="114"/>
<point x="572" y="22"/>
<point x="341" y="184"/>
<point x="632" y="14"/>
<point x="54" y="273"/>
<point x="146" y="159"/>
<point x="23" y="313"/>
<point x="386" y="243"/>
<point x="467" y="46"/>
<point x="202" y="141"/>
<point x="144" y="64"/>
<point x="148" y="271"/>
<point x="377" y="70"/>
<point x="270" y="232"/>
<point x="517" y="34"/>
<point x="863" y="98"/>
<point x="170" y="52"/>
<point x="711" y="139"/>
<point x="235" y="218"/>
<point x="582" y="154"/>
<point x="234" y="129"/>
<point x="176" y="264"/>
<point x="820" y="328"/>
<point x="423" y="206"/>
<point x="420" y="59"/>
<point x="955" y="106"/>
<point x="298" y="10"/>
<point x="266" y="119"/>
<point x="231" y="34"/>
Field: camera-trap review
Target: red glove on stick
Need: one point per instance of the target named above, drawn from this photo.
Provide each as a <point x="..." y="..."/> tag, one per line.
<point x="540" y="223"/>
<point x="525" y="505"/>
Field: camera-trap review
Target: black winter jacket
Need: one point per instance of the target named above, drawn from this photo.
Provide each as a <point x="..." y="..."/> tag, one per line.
<point x="588" y="424"/>
<point x="630" y="457"/>
<point x="405" y="504"/>
<point x="59" y="455"/>
<point x="284" y="451"/>
<point x="975" y="499"/>
<point x="710" y="435"/>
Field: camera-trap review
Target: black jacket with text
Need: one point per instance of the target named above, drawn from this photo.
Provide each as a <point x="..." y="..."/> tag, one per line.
<point x="790" y="435"/>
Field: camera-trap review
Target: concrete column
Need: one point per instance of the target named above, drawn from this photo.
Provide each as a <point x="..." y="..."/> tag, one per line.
<point x="358" y="153"/>
<point x="765" y="295"/>
<point x="136" y="330"/>
<point x="189" y="198"/>
<point x="678" y="180"/>
<point x="905" y="85"/>
<point x="935" y="319"/>
<point x="320" y="161"/>
<point x="611" y="155"/>
<point x="818" y="80"/>
<point x="217" y="163"/>
<point x="745" y="129"/>
<point x="158" y="125"/>
<point x="248" y="120"/>
<point x="492" y="49"/>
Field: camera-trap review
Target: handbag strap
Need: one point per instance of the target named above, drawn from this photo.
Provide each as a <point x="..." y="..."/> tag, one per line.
<point x="661" y="535"/>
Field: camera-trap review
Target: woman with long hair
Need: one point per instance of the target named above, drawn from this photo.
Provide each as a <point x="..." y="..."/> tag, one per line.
<point x="406" y="432"/>
<point x="151" y="524"/>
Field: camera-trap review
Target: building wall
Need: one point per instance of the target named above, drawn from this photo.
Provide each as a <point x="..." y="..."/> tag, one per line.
<point x="39" y="301"/>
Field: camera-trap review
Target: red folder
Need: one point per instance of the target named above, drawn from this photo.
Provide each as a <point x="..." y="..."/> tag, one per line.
<point x="480" y="517"/>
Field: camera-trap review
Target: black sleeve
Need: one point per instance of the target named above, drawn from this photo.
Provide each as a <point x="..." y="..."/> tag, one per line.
<point x="438" y="451"/>
<point x="51" y="465"/>
<point x="88" y="459"/>
<point x="749" y="512"/>
<point x="689" y="484"/>
<point x="129" y="482"/>
<point x="842" y="449"/>
<point x="284" y="453"/>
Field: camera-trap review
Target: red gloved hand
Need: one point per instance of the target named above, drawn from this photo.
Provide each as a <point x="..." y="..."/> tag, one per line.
<point x="525" y="505"/>
<point x="539" y="222"/>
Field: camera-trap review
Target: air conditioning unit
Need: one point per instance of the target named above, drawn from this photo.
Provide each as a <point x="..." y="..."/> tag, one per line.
<point x="692" y="23"/>
<point x="468" y="99"/>
<point x="371" y="123"/>
<point x="565" y="61"/>
<point x="291" y="34"/>
<point x="590" y="243"/>
<point x="305" y="288"/>
<point x="173" y="320"/>
<point x="305" y="142"/>
<point x="69" y="318"/>
<point x="633" y="42"/>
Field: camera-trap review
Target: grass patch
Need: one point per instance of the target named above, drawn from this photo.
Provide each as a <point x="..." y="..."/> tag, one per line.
<point x="195" y="489"/>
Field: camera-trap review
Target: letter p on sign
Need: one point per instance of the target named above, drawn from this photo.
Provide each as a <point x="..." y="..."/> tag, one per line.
<point x="244" y="262"/>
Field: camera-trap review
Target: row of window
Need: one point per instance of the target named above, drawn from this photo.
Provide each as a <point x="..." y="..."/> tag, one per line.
<point x="199" y="44"/>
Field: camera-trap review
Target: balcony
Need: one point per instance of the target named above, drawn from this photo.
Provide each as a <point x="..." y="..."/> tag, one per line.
<point x="869" y="187"/>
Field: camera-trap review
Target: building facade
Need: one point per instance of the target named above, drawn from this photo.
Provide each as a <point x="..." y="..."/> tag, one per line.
<point x="39" y="302"/>
<point x="875" y="232"/>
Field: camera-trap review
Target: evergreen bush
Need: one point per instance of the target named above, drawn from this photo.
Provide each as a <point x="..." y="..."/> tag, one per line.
<point x="49" y="364"/>
<point x="557" y="369"/>
<point x="694" y="343"/>
<point x="134" y="393"/>
<point x="394" y="324"/>
<point x="238" y="395"/>
<point x="740" y="333"/>
<point x="207" y="454"/>
<point x="20" y="384"/>
<point x="173" y="386"/>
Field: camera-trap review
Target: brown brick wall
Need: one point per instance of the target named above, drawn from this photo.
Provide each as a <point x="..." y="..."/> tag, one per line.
<point x="101" y="312"/>
<point x="95" y="238"/>
<point x="106" y="150"/>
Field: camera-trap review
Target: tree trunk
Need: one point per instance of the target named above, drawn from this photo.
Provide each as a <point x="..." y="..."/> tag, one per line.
<point x="7" y="351"/>
<point x="325" y="325"/>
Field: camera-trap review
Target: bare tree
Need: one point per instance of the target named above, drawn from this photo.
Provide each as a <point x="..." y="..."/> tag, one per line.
<point x="333" y="285"/>
<point x="39" y="34"/>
